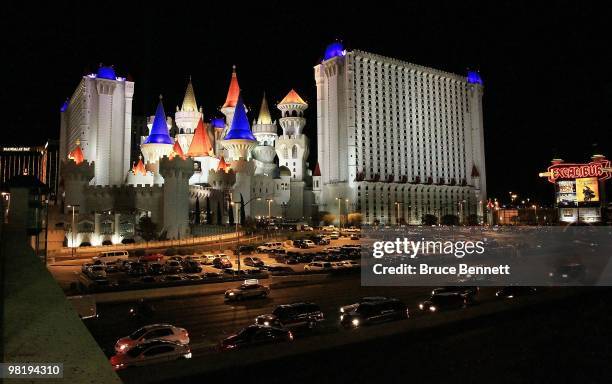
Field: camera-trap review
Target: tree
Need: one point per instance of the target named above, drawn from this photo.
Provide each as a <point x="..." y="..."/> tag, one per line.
<point x="230" y="213"/>
<point x="196" y="219"/>
<point x="328" y="218"/>
<point x="449" y="220"/>
<point x="146" y="229"/>
<point x="219" y="214"/>
<point x="354" y="218"/>
<point x="242" y="211"/>
<point x="429" y="219"/>
<point x="208" y="212"/>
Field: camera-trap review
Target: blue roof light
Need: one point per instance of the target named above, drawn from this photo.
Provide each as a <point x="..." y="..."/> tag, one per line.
<point x="473" y="77"/>
<point x="240" y="129"/>
<point x="106" y="73"/>
<point x="64" y="106"/>
<point x="159" y="130"/>
<point x="333" y="50"/>
<point x="218" y="122"/>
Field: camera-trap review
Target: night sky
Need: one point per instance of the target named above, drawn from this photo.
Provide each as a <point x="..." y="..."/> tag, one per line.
<point x="548" y="86"/>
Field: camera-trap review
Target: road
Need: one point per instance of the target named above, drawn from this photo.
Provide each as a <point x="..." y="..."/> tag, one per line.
<point x="209" y="319"/>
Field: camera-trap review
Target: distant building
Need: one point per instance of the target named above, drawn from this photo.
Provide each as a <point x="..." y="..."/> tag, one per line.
<point x="40" y="161"/>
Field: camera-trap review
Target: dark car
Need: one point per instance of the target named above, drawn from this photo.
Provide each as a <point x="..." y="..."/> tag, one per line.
<point x="254" y="335"/>
<point x="513" y="291"/>
<point x="292" y="316"/>
<point x="221" y="263"/>
<point x="137" y="269"/>
<point x="156" y="269"/>
<point x="246" y="249"/>
<point x="568" y="273"/>
<point x="191" y="266"/>
<point x="320" y="240"/>
<point x="468" y="292"/>
<point x="253" y="262"/>
<point x="300" y="244"/>
<point x="443" y="301"/>
<point x="369" y="313"/>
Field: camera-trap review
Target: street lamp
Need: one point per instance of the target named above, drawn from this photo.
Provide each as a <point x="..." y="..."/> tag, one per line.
<point x="73" y="227"/>
<point x="238" y="233"/>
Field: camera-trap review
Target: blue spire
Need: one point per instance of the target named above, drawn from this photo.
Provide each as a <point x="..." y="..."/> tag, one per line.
<point x="334" y="49"/>
<point x="106" y="73"/>
<point x="473" y="77"/>
<point x="159" y="131"/>
<point x="240" y="129"/>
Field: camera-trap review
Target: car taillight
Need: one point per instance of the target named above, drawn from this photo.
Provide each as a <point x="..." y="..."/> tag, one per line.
<point x="290" y="336"/>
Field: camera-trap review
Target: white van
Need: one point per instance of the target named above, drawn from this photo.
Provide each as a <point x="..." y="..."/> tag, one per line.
<point x="112" y="256"/>
<point x="269" y="246"/>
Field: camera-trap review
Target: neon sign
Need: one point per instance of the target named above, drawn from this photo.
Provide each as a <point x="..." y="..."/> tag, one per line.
<point x="598" y="169"/>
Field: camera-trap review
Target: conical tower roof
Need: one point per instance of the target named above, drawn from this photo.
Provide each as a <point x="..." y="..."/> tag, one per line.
<point x="139" y="168"/>
<point x="189" y="102"/>
<point x="240" y="129"/>
<point x="223" y="166"/>
<point x="233" y="92"/>
<point x="77" y="153"/>
<point x="292" y="98"/>
<point x="317" y="170"/>
<point x="264" y="113"/>
<point x="159" y="130"/>
<point x="200" y="144"/>
<point x="177" y="151"/>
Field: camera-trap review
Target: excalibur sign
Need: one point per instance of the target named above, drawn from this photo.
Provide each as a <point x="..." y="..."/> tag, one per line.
<point x="599" y="169"/>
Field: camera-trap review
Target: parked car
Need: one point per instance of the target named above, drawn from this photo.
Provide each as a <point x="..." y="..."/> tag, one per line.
<point x="320" y="239"/>
<point x="300" y="244"/>
<point x="208" y="258"/>
<point x="176" y="258"/>
<point x="222" y="263"/>
<point x="191" y="266"/>
<point x="514" y="291"/>
<point x="318" y="266"/>
<point x="246" y="291"/>
<point x="173" y="267"/>
<point x="373" y="312"/>
<point x="172" y="278"/>
<point x="256" y="335"/>
<point x="334" y="235"/>
<point x="151" y="258"/>
<point x="152" y="332"/>
<point x="110" y="256"/>
<point x="292" y="316"/>
<point x="138" y="269"/>
<point x="309" y="243"/>
<point x="355" y="236"/>
<point x="253" y="262"/>
<point x="155" y="351"/>
<point x="156" y="269"/>
<point x="96" y="272"/>
<point x="268" y="247"/>
<point x="195" y="258"/>
<point x="193" y="277"/>
<point x="443" y="301"/>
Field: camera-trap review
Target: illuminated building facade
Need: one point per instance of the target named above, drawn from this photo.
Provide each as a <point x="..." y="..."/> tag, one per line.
<point x="398" y="140"/>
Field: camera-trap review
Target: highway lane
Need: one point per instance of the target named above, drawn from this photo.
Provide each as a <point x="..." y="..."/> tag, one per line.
<point x="209" y="319"/>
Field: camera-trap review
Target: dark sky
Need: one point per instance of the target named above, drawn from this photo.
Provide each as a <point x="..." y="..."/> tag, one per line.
<point x="548" y="86"/>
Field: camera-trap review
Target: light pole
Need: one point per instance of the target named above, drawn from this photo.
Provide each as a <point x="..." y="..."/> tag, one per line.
<point x="73" y="227"/>
<point x="339" y="213"/>
<point x="347" y="210"/>
<point x="397" y="204"/>
<point x="238" y="233"/>
<point x="535" y="212"/>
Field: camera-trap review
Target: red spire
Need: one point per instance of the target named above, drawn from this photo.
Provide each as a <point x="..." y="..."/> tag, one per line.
<point x="139" y="168"/>
<point x="475" y="172"/>
<point x="223" y="166"/>
<point x="177" y="151"/>
<point x="292" y="98"/>
<point x="77" y="154"/>
<point x="233" y="91"/>
<point x="317" y="171"/>
<point x="200" y="144"/>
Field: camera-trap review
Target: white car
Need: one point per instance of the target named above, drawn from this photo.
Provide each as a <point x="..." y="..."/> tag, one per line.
<point x="309" y="243"/>
<point x="319" y="266"/>
<point x="208" y="259"/>
<point x="334" y="235"/>
<point x="247" y="291"/>
<point x="97" y="272"/>
<point x="151" y="352"/>
<point x="348" y="264"/>
<point x="197" y="258"/>
<point x="152" y="332"/>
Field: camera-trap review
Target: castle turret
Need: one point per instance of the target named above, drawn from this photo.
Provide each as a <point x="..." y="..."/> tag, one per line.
<point x="239" y="140"/>
<point x="229" y="107"/>
<point x="201" y="151"/>
<point x="186" y="118"/>
<point x="159" y="143"/>
<point x="176" y="173"/>
<point x="292" y="146"/>
<point x="264" y="130"/>
<point x="76" y="176"/>
<point x="316" y="184"/>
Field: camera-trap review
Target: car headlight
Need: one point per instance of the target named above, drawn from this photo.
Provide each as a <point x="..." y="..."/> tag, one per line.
<point x="432" y="308"/>
<point x="355" y="322"/>
<point x="420" y="306"/>
<point x="551" y="274"/>
<point x="341" y="310"/>
<point x="267" y="323"/>
<point x="564" y="275"/>
<point x="231" y="293"/>
<point x="122" y="347"/>
<point x="187" y="355"/>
